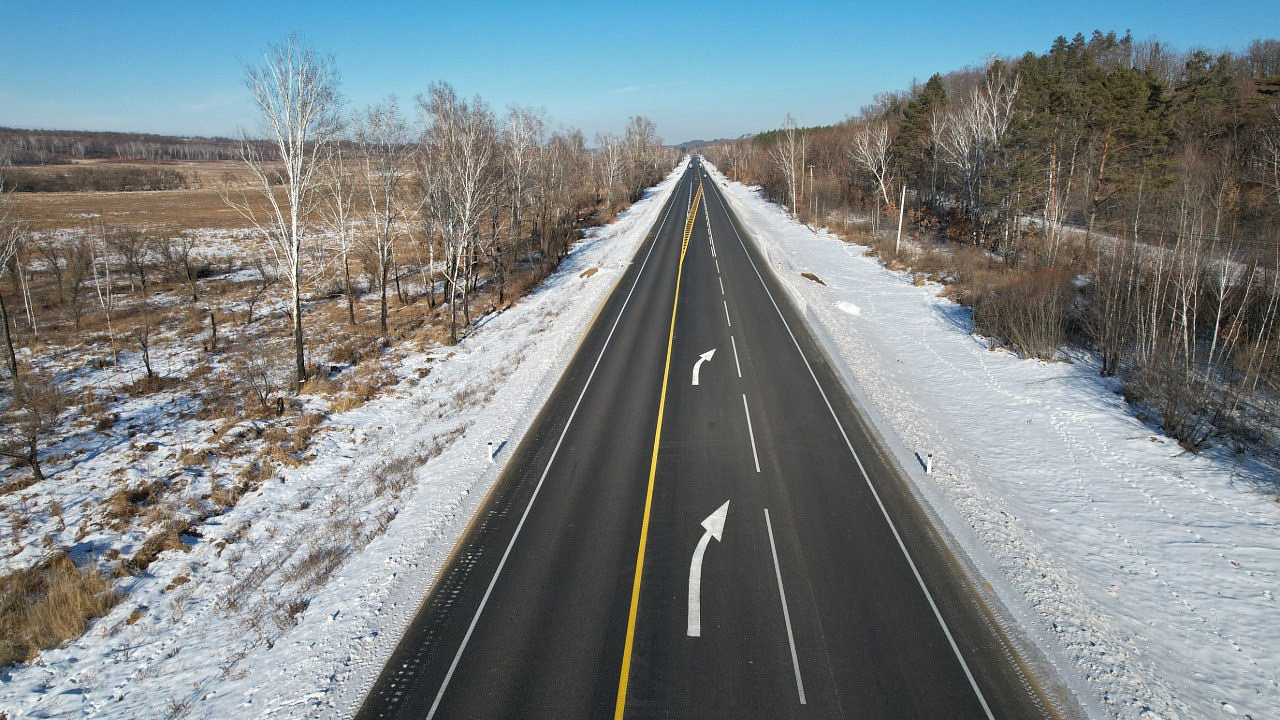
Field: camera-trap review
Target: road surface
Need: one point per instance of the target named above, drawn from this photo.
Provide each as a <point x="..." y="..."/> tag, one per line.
<point x="605" y="576"/>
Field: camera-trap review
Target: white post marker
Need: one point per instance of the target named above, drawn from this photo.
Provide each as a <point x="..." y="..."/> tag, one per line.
<point x="714" y="525"/>
<point x="490" y="451"/>
<point x="704" y="357"/>
<point x="928" y="465"/>
<point x="902" y="205"/>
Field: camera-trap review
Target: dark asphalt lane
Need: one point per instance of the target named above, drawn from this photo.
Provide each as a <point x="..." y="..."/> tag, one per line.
<point x="810" y="606"/>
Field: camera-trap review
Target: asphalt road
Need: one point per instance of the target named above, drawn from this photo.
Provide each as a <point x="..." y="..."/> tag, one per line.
<point x="821" y="590"/>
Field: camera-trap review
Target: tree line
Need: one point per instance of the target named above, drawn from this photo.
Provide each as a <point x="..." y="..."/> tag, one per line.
<point x="54" y="147"/>
<point x="97" y="178"/>
<point x="1112" y="193"/>
<point x="436" y="205"/>
<point x="474" y="192"/>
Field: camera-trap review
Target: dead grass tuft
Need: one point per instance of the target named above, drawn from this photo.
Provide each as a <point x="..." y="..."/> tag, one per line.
<point x="127" y="503"/>
<point x="44" y="606"/>
<point x="22" y="482"/>
<point x="368" y="381"/>
<point x="153" y="384"/>
<point x="170" y="538"/>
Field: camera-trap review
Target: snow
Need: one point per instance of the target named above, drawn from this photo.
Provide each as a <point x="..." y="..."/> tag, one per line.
<point x="849" y="307"/>
<point x="1145" y="574"/>
<point x="288" y="604"/>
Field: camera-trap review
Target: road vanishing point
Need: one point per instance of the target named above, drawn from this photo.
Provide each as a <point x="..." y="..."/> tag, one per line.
<point x="823" y="591"/>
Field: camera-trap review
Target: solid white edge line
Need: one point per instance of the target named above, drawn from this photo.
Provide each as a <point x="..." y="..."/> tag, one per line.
<point x="501" y="563"/>
<point x="880" y="503"/>
<point x="726" y="313"/>
<point x="736" y="364"/>
<point x="786" y="614"/>
<point x="750" y="432"/>
<point x="710" y="238"/>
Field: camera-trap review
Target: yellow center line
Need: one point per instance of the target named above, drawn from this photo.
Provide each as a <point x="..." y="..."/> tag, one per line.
<point x="621" y="705"/>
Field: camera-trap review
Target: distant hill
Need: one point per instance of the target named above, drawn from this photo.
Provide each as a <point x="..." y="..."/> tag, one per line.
<point x="693" y="144"/>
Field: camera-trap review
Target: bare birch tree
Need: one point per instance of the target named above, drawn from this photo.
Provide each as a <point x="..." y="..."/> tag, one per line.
<point x="788" y="156"/>
<point x="524" y="134"/>
<point x="295" y="89"/>
<point x="462" y="138"/>
<point x="382" y="136"/>
<point x="869" y="149"/>
<point x="611" y="163"/>
<point x="337" y="212"/>
<point x="11" y="233"/>
<point x="642" y="150"/>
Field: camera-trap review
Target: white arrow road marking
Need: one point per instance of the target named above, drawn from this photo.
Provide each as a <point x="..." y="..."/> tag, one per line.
<point x="714" y="525"/>
<point x="704" y="357"/>
<point x="786" y="614"/>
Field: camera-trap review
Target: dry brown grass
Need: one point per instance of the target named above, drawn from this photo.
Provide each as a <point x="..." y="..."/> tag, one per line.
<point x="44" y="606"/>
<point x="176" y="210"/>
<point x="127" y="503"/>
<point x="22" y="482"/>
<point x="154" y="384"/>
<point x="193" y="458"/>
<point x="173" y="210"/>
<point x="224" y="497"/>
<point x="368" y="380"/>
<point x="169" y="538"/>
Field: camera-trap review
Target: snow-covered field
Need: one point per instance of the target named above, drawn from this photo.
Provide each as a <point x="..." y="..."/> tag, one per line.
<point x="1148" y="575"/>
<point x="287" y="604"/>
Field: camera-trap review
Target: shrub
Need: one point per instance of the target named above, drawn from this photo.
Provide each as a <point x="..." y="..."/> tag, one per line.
<point x="1026" y="310"/>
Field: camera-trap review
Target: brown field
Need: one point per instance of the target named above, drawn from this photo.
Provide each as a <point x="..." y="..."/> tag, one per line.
<point x="170" y="210"/>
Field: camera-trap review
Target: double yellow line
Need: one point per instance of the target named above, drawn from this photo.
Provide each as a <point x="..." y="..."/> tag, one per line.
<point x="653" y="470"/>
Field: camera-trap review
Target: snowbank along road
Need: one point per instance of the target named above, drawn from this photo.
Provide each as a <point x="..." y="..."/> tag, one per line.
<point x="699" y="524"/>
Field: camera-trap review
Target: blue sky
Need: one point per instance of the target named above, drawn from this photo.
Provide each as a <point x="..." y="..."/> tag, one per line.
<point x="700" y="70"/>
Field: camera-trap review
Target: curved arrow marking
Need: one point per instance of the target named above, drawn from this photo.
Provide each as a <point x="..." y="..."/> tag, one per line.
<point x="704" y="357"/>
<point x="714" y="525"/>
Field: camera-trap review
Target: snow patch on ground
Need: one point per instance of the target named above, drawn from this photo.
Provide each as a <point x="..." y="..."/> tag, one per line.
<point x="849" y="307"/>
<point x="214" y="631"/>
<point x="1147" y="574"/>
